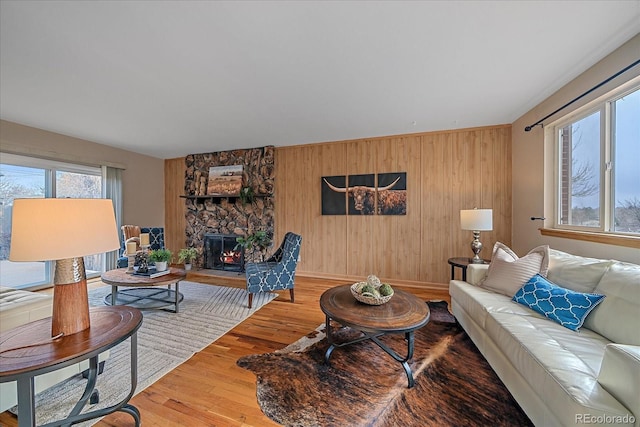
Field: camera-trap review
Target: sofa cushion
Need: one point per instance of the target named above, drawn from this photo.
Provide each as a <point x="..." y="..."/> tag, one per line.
<point x="478" y="302"/>
<point x="18" y="307"/>
<point x="507" y="273"/>
<point x="618" y="318"/>
<point x="575" y="272"/>
<point x="564" y="306"/>
<point x="560" y="365"/>
<point x="620" y="374"/>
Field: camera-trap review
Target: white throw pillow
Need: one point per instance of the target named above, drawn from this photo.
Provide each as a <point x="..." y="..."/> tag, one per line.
<point x="507" y="273"/>
<point x="575" y="272"/>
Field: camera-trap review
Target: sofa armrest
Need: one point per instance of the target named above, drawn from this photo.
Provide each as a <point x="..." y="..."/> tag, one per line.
<point x="620" y="374"/>
<point x="18" y="307"/>
<point x="476" y="272"/>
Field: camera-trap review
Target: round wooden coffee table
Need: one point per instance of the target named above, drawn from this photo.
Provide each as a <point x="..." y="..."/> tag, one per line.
<point x="144" y="292"/>
<point x="404" y="313"/>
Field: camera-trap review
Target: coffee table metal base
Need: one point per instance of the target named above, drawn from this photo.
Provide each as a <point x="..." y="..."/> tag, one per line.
<point x="145" y="298"/>
<point x="409" y="338"/>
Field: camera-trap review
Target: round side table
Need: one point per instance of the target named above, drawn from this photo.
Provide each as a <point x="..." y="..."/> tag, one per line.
<point x="28" y="351"/>
<point x="462" y="263"/>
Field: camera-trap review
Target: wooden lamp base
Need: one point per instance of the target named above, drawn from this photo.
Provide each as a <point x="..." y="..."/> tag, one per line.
<point x="70" y="298"/>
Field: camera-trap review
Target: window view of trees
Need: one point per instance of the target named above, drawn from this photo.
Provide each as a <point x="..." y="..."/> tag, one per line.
<point x="81" y="186"/>
<point x="628" y="216"/>
<point x="580" y="185"/>
<point x="582" y="170"/>
<point x="626" y="173"/>
<point x="19" y="182"/>
<point x="16" y="182"/>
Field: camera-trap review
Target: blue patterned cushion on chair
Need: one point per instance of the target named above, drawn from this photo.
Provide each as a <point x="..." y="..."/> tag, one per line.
<point x="156" y="241"/>
<point x="278" y="272"/>
<point x="123" y="262"/>
<point x="564" y="306"/>
<point x="156" y="236"/>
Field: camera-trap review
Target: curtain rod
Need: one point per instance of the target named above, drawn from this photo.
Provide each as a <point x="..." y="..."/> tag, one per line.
<point x="539" y="122"/>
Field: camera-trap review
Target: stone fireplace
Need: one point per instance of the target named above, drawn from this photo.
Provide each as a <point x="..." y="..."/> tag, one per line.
<point x="208" y="215"/>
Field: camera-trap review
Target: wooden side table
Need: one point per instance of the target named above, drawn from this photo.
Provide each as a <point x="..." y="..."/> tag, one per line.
<point x="28" y="351"/>
<point x="462" y="263"/>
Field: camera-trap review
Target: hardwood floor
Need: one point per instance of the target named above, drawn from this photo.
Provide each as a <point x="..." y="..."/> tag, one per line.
<point x="209" y="389"/>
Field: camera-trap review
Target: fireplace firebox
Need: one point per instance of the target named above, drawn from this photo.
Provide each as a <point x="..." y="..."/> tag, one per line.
<point x="220" y="252"/>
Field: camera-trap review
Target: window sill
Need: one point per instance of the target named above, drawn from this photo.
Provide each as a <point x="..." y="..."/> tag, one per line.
<point x="609" y="239"/>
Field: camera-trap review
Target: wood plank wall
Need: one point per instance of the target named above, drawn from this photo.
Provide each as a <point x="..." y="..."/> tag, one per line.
<point x="446" y="171"/>
<point x="174" y="207"/>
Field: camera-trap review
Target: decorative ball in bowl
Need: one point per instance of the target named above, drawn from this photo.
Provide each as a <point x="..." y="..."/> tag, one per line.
<point x="372" y="292"/>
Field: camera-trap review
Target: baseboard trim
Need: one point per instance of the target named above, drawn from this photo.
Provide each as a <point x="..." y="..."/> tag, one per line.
<point x="239" y="280"/>
<point x="353" y="279"/>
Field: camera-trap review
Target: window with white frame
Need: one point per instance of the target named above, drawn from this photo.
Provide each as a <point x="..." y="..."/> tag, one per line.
<point x="598" y="166"/>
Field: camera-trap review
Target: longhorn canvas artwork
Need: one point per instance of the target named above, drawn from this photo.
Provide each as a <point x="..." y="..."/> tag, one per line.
<point x="334" y="198"/>
<point x="364" y="194"/>
<point x="392" y="194"/>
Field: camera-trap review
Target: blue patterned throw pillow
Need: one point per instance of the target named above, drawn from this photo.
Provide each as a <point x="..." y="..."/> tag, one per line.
<point x="568" y="308"/>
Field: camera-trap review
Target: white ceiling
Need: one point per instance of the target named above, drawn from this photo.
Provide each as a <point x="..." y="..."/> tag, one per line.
<point x="168" y="78"/>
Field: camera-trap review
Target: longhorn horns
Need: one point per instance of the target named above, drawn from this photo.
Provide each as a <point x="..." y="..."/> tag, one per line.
<point x="344" y="190"/>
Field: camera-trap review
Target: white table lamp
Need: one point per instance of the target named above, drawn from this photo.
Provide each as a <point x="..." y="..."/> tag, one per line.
<point x="64" y="230"/>
<point x="476" y="220"/>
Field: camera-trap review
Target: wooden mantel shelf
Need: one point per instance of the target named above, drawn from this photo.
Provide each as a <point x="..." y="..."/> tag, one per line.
<point x="209" y="197"/>
<point x="217" y="199"/>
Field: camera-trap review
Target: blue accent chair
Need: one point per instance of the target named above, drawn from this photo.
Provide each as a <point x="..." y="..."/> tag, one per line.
<point x="156" y="241"/>
<point x="277" y="272"/>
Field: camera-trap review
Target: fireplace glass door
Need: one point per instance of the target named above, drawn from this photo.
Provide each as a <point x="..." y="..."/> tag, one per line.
<point x="221" y="253"/>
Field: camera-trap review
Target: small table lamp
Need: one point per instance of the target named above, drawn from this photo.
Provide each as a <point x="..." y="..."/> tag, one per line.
<point x="476" y="220"/>
<point x="64" y="230"/>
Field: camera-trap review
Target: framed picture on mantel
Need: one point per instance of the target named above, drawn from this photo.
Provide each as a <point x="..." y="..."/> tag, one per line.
<point x="224" y="180"/>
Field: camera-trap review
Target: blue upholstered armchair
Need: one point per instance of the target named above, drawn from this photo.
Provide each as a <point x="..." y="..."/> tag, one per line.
<point x="277" y="272"/>
<point x="156" y="241"/>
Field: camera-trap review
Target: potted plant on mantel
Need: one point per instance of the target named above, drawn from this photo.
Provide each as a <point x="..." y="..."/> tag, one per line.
<point x="161" y="257"/>
<point x="258" y="240"/>
<point x="186" y="255"/>
<point x="246" y="195"/>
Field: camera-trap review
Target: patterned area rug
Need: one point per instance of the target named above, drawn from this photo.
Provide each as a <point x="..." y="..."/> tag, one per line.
<point x="363" y="386"/>
<point x="165" y="340"/>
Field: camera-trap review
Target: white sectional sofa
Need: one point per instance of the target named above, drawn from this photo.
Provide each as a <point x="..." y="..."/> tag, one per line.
<point x="18" y="307"/>
<point x="562" y="377"/>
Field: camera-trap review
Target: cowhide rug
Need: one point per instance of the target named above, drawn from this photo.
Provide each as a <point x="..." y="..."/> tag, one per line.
<point x="363" y="386"/>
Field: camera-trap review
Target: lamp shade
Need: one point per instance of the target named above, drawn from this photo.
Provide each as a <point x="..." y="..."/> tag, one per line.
<point x="54" y="229"/>
<point x="476" y="219"/>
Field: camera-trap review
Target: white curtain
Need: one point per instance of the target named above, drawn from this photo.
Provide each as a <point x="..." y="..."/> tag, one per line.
<point x="112" y="188"/>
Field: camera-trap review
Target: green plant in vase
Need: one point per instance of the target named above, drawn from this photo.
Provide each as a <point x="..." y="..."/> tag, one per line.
<point x="186" y="256"/>
<point x="258" y="240"/>
<point x="161" y="258"/>
<point x="247" y="194"/>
